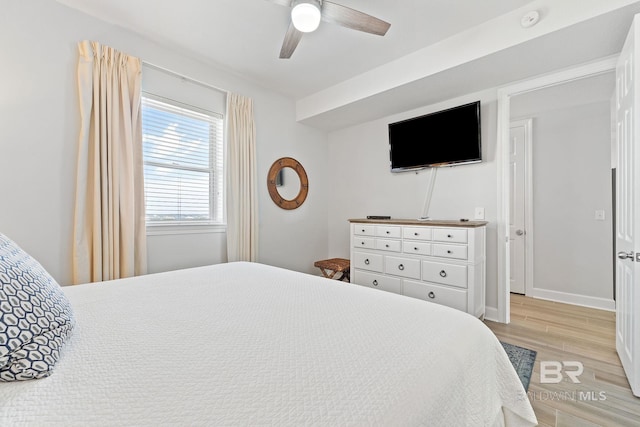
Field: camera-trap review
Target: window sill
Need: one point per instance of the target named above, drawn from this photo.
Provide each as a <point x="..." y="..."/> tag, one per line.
<point x="159" y="230"/>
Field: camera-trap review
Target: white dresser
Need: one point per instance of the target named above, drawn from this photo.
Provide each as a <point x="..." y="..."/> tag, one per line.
<point x="438" y="261"/>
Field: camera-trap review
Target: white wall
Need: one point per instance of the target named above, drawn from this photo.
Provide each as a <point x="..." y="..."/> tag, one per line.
<point x="362" y="183"/>
<point x="38" y="139"/>
<point x="572" y="179"/>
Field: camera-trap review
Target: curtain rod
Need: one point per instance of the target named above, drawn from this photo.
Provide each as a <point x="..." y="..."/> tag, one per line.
<point x="189" y="79"/>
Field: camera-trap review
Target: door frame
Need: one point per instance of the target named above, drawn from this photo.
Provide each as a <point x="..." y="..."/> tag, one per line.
<point x="505" y="93"/>
<point x="528" y="201"/>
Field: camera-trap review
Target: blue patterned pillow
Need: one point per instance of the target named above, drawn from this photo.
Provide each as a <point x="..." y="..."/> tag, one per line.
<point x="35" y="316"/>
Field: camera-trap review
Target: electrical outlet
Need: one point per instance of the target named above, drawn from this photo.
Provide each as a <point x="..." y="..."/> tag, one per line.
<point x="600" y="215"/>
<point x="479" y="213"/>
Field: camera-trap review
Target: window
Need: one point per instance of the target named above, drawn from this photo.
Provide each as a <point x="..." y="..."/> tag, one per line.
<point x="183" y="162"/>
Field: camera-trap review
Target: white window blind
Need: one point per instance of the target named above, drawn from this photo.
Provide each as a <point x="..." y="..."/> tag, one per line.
<point x="183" y="161"/>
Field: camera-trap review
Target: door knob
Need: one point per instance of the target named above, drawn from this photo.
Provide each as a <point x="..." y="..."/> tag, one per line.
<point x="520" y="232"/>
<point x="625" y="255"/>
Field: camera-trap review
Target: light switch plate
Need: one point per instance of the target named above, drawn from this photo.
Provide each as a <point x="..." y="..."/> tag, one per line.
<point x="479" y="213"/>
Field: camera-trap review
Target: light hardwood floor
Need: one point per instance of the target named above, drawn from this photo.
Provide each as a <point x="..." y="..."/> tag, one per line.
<point x="562" y="332"/>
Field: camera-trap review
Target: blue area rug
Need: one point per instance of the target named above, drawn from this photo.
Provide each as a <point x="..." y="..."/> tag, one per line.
<point x="522" y="360"/>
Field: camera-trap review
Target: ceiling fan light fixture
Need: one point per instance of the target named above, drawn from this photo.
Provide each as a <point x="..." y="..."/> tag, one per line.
<point x="306" y="15"/>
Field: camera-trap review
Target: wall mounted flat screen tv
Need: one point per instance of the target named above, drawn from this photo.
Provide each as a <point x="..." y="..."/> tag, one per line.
<point x="445" y="138"/>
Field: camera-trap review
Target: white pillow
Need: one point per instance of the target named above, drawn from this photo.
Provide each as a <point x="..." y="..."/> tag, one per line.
<point x="35" y="316"/>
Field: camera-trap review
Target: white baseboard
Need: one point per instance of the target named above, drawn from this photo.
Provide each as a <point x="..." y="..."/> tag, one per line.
<point x="575" y="299"/>
<point x="491" y="313"/>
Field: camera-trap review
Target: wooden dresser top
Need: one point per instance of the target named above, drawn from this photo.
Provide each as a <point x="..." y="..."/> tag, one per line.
<point x="432" y="222"/>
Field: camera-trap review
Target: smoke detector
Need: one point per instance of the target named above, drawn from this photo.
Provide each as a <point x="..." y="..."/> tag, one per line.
<point x="530" y="19"/>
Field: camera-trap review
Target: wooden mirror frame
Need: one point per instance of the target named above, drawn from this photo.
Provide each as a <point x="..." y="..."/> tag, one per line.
<point x="276" y="167"/>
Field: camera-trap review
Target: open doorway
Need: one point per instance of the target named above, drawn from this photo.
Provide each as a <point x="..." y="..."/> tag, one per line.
<point x="561" y="196"/>
<point x="568" y="212"/>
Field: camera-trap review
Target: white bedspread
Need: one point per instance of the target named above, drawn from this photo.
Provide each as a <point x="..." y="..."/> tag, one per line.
<point x="248" y="344"/>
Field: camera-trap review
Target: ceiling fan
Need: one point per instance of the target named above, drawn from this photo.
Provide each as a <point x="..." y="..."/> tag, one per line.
<point x="306" y="16"/>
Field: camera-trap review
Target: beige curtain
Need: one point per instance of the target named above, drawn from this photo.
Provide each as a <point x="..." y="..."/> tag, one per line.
<point x="109" y="234"/>
<point x="242" y="229"/>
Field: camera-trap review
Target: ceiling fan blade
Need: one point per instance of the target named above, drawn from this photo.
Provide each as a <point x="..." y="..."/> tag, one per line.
<point x="291" y="40"/>
<point x="281" y="2"/>
<point x="351" y="18"/>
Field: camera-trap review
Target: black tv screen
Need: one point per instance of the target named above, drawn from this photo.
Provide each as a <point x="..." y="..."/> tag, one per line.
<point x="444" y="138"/>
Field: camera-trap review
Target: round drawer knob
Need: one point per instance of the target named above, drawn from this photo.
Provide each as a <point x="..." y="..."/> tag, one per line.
<point x="362" y="243"/>
<point x="401" y="267"/>
<point x="388" y="232"/>
<point x="443" y="273"/>
<point x="416" y="234"/>
<point x="449" y="236"/>
<point x="375" y="283"/>
<point x="363" y="230"/>
<point x="448" y="252"/>
<point x="366" y="261"/>
<point x="386" y="246"/>
<point x="432" y="295"/>
<point x="415" y="249"/>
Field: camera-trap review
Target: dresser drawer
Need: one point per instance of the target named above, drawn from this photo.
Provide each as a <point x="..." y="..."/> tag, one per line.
<point x="455" y="235"/>
<point x="449" y="251"/>
<point x="418" y="248"/>
<point x="364" y="242"/>
<point x="392" y="231"/>
<point x="367" y="261"/>
<point x="388" y="245"/>
<point x="448" y="274"/>
<point x="405" y="267"/>
<point x="454" y="298"/>
<point x="364" y="229"/>
<point x="416" y="233"/>
<point x="377" y="281"/>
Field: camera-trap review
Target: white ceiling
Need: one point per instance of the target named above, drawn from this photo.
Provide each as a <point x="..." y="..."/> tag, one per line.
<point x="245" y="36"/>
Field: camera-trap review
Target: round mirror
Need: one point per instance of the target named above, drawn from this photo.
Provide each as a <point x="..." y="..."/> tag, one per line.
<point x="287" y="183"/>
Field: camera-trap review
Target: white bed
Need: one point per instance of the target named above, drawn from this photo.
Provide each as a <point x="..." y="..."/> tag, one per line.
<point x="250" y="344"/>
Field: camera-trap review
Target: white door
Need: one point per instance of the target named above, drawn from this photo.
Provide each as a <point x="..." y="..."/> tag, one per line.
<point x="627" y="102"/>
<point x="518" y="149"/>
